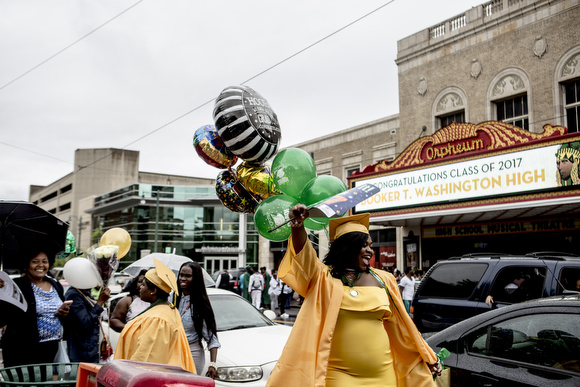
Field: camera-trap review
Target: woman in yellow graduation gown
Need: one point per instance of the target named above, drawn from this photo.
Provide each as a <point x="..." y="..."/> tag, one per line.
<point x="352" y="329"/>
<point x="156" y="335"/>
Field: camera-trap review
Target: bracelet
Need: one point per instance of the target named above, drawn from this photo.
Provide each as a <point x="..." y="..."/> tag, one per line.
<point x="213" y="365"/>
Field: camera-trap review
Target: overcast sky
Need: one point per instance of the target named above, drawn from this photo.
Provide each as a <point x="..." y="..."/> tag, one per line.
<point x="138" y="81"/>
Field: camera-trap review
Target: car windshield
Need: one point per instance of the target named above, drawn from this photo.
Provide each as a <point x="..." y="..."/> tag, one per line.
<point x="232" y="312"/>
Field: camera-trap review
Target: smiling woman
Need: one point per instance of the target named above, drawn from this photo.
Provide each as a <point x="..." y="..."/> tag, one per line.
<point x="354" y="316"/>
<point x="32" y="337"/>
<point x="197" y="317"/>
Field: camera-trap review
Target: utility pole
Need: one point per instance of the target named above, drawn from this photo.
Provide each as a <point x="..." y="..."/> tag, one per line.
<point x="156" y="223"/>
<point x="79" y="235"/>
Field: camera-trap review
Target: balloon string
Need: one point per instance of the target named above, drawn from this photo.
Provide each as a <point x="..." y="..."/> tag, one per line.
<point x="316" y="236"/>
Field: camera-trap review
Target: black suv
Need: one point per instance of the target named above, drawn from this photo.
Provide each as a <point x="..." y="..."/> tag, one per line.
<point x="456" y="289"/>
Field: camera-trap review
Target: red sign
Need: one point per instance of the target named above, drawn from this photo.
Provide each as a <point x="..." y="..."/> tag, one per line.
<point x="387" y="256"/>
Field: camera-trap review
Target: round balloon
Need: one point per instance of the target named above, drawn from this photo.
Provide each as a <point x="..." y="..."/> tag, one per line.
<point x="315" y="224"/>
<point x="257" y="179"/>
<point x="247" y="124"/>
<point x="270" y="314"/>
<point x="292" y="169"/>
<point x="81" y="273"/>
<point x="233" y="195"/>
<point x="321" y="188"/>
<point x="118" y="237"/>
<point x="271" y="213"/>
<point x="211" y="149"/>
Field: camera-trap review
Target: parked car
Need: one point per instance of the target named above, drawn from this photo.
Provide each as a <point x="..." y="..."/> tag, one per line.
<point x="118" y="282"/>
<point x="234" y="280"/>
<point x="456" y="289"/>
<point x="533" y="343"/>
<point x="57" y="273"/>
<point x="250" y="342"/>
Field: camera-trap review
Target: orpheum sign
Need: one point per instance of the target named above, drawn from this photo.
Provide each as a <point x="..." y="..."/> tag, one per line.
<point x="438" y="152"/>
<point x="464" y="162"/>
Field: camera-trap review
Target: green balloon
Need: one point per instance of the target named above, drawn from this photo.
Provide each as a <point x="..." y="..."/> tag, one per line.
<point x="317" y="190"/>
<point x="272" y="212"/>
<point x="316" y="224"/>
<point x="321" y="188"/>
<point x="292" y="169"/>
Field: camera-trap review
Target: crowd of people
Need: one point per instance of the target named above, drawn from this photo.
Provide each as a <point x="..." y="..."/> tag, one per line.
<point x="159" y="321"/>
<point x="169" y="320"/>
<point x="264" y="290"/>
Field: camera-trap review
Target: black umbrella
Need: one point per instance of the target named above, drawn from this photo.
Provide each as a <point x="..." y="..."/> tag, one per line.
<point x="24" y="226"/>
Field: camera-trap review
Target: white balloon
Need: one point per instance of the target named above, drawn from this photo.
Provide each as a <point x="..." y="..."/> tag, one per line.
<point x="81" y="273"/>
<point x="270" y="314"/>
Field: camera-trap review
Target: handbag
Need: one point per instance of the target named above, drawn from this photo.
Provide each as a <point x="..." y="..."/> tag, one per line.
<point x="105" y="349"/>
<point x="444" y="380"/>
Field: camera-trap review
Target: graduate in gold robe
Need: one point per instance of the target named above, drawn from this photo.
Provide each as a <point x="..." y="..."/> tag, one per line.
<point x="352" y="329"/>
<point x="157" y="335"/>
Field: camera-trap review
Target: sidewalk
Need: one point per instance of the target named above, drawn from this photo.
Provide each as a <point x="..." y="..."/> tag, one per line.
<point x="292" y="311"/>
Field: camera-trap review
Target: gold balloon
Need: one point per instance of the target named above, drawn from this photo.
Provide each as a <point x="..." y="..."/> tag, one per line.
<point x="257" y="179"/>
<point x="118" y="237"/>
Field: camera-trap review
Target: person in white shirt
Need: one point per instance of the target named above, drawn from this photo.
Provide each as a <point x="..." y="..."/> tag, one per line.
<point x="407" y="287"/>
<point x="256" y="287"/>
<point x="275" y="289"/>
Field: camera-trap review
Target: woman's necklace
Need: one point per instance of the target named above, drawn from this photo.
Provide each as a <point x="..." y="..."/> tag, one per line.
<point x="350" y="284"/>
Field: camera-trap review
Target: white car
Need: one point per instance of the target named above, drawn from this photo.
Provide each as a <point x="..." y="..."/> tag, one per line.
<point x="250" y="342"/>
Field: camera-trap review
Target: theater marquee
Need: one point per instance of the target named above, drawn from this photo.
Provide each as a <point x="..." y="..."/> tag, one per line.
<point x="489" y="160"/>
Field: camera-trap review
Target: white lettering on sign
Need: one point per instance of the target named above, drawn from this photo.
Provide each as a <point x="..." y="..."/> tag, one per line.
<point x="524" y="171"/>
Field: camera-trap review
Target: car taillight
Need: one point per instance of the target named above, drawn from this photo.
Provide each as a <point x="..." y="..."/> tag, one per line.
<point x="412" y="314"/>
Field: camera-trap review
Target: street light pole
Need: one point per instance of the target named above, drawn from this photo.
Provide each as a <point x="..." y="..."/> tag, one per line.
<point x="80" y="225"/>
<point x="156" y="223"/>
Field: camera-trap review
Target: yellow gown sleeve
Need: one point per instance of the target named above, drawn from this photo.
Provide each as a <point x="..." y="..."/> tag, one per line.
<point x="410" y="351"/>
<point x="299" y="270"/>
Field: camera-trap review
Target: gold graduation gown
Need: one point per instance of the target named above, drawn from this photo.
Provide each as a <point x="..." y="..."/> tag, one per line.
<point x="156" y="336"/>
<point x="304" y="361"/>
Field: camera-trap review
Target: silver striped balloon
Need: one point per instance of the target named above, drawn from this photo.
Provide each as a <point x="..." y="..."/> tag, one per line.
<point x="247" y="124"/>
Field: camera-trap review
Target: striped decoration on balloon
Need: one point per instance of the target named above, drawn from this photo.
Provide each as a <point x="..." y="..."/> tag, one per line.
<point x="247" y="124"/>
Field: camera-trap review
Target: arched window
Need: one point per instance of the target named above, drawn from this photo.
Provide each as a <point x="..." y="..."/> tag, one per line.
<point x="567" y="90"/>
<point x="450" y="105"/>
<point x="509" y="98"/>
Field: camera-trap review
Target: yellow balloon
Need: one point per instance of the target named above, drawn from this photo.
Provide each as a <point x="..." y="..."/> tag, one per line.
<point x="118" y="237"/>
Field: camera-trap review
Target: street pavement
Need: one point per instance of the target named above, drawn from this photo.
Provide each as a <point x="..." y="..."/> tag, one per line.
<point x="292" y="312"/>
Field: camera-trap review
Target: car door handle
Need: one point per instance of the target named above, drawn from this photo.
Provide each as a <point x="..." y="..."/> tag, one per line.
<point x="484" y="381"/>
<point x="503" y="364"/>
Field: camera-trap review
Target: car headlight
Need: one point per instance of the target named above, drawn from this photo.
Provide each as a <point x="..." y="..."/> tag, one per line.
<point x="240" y="374"/>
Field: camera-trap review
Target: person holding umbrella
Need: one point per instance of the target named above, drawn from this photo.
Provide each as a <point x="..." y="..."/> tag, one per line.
<point x="32" y="336"/>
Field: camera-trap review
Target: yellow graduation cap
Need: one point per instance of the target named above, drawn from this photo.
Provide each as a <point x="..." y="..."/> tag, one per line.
<point x="340" y="226"/>
<point x="163" y="277"/>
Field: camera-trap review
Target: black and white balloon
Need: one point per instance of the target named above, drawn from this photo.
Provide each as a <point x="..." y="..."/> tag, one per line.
<point x="247" y="124"/>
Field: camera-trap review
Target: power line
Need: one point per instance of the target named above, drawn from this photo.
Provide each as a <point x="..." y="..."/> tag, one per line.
<point x="249" y="79"/>
<point x="33" y="152"/>
<point x="318" y="41"/>
<point x="69" y="46"/>
<point x="207" y="102"/>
